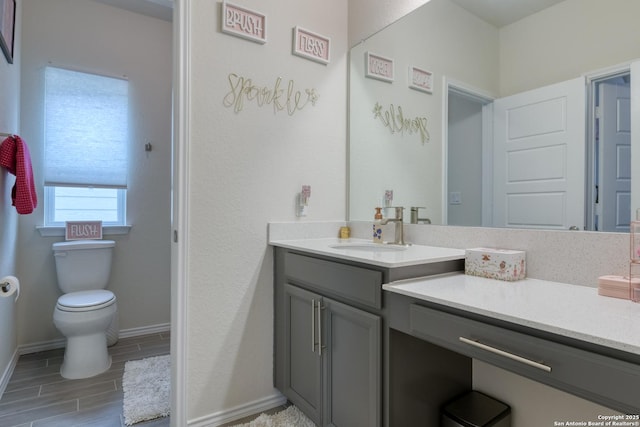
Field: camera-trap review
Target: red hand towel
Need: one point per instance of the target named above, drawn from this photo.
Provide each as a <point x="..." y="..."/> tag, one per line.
<point x="14" y="155"/>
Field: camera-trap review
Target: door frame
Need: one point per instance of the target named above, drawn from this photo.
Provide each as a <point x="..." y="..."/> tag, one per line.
<point x="592" y="78"/>
<point x="180" y="218"/>
<point x="486" y="98"/>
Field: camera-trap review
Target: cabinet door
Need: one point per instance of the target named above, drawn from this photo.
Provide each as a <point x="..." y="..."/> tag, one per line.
<point x="303" y="364"/>
<point x="352" y="366"/>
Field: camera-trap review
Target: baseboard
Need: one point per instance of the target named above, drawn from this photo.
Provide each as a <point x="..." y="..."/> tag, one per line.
<point x="124" y="333"/>
<point x="239" y="412"/>
<point x="145" y="330"/>
<point x="41" y="346"/>
<point x="6" y="375"/>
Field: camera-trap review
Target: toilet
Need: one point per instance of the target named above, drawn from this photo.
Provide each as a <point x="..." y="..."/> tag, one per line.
<point x="86" y="313"/>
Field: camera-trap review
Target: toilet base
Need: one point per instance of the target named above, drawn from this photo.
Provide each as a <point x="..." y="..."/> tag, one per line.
<point x="85" y="356"/>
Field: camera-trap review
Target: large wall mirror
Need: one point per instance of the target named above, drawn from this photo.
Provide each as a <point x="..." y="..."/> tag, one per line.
<point x="509" y="120"/>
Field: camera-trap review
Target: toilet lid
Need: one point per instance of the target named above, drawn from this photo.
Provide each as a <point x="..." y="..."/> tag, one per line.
<point x="86" y="300"/>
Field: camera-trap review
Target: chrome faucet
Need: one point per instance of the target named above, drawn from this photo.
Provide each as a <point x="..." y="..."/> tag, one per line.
<point x="414" y="216"/>
<point x="399" y="234"/>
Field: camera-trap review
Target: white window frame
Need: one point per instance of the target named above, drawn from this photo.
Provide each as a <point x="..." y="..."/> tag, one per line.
<point x="51" y="227"/>
<point x="49" y="208"/>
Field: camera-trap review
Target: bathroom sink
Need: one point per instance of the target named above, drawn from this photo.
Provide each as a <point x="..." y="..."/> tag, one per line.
<point x="369" y="247"/>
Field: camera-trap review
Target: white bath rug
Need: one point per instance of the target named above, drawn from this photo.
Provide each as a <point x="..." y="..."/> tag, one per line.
<point x="147" y="386"/>
<point x="290" y="417"/>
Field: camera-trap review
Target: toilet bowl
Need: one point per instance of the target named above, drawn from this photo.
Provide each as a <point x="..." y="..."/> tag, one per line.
<point x="86" y="313"/>
<point x="83" y="318"/>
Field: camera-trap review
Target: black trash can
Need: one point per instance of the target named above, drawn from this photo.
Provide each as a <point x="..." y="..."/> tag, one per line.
<point x="475" y="409"/>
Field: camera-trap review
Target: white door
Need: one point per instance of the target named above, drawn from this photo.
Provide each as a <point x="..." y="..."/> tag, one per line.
<point x="614" y="166"/>
<point x="539" y="158"/>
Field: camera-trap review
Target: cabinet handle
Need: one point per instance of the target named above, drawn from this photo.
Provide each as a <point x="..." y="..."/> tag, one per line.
<point x="505" y="354"/>
<point x="320" y="307"/>
<point x="313" y="326"/>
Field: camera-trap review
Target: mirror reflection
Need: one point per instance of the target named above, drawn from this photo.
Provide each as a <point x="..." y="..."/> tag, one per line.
<point x="528" y="119"/>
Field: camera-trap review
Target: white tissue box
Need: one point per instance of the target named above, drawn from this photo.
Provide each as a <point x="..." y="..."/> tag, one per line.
<point x="501" y="264"/>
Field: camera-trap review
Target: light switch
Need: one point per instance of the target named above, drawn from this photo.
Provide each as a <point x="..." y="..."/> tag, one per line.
<point x="455" y="198"/>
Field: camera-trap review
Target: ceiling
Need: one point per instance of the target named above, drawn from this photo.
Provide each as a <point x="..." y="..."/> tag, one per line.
<point x="161" y="9"/>
<point x="504" y="12"/>
<point x="496" y="12"/>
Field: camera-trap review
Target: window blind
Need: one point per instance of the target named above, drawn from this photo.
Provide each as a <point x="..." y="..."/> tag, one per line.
<point x="86" y="129"/>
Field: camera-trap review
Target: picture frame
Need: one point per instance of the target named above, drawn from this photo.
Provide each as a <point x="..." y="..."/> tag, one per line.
<point x="7" y="27"/>
<point x="311" y="45"/>
<point x="243" y="22"/>
<point x="379" y="67"/>
<point x="420" y="79"/>
<point x="83" y="230"/>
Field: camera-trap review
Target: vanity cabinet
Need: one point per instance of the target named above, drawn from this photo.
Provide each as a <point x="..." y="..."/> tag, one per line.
<point x="328" y="351"/>
<point x="610" y="381"/>
<point x="333" y="356"/>
<point x="331" y="337"/>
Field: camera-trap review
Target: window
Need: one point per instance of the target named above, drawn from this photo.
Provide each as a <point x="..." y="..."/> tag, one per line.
<point x="85" y="140"/>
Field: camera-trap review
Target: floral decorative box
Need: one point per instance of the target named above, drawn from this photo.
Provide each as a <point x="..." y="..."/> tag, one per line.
<point x="616" y="286"/>
<point x="501" y="264"/>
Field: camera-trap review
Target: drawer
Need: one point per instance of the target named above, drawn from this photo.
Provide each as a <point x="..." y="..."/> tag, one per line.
<point x="606" y="380"/>
<point x="346" y="282"/>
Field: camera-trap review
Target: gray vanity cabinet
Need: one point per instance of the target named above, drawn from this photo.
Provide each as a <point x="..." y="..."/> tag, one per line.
<point x="331" y="338"/>
<point x="352" y="367"/>
<point x="328" y="352"/>
<point x="333" y="354"/>
<point x="303" y="379"/>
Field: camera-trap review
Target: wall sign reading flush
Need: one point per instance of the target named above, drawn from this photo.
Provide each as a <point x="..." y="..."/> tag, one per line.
<point x="82" y="230"/>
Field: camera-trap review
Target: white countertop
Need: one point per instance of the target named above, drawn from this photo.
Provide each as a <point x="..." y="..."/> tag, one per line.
<point x="385" y="257"/>
<point x="568" y="310"/>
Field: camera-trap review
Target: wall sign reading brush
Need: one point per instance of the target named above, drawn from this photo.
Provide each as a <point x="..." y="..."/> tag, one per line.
<point x="245" y="23"/>
<point x="378" y="67"/>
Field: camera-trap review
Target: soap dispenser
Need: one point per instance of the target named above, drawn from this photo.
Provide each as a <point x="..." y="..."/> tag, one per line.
<point x="377" y="226"/>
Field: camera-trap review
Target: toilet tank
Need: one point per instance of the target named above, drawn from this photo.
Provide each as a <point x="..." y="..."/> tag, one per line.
<point x="83" y="265"/>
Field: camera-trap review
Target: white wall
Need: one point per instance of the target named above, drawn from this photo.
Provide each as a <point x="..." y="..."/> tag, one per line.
<point x="381" y="160"/>
<point x="9" y="123"/>
<point x="367" y="17"/>
<point x="566" y="41"/>
<point x="90" y="36"/>
<point x="245" y="169"/>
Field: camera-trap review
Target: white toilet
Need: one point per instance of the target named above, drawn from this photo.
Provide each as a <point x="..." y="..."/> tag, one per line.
<point x="87" y="313"/>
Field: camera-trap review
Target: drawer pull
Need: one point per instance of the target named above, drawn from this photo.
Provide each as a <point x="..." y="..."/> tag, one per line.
<point x="505" y="354"/>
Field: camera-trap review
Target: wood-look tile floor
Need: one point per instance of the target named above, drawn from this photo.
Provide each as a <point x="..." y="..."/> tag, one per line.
<point x="38" y="396"/>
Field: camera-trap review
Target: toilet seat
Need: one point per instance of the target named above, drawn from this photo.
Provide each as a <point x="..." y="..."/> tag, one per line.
<point x="86" y="300"/>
